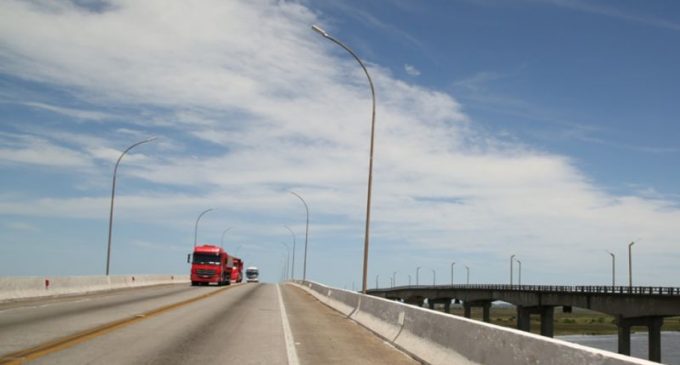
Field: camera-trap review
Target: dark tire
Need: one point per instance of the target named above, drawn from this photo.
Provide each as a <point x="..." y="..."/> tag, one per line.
<point x="193" y="283"/>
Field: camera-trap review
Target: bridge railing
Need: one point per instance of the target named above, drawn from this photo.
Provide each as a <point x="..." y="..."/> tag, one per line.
<point x="590" y="289"/>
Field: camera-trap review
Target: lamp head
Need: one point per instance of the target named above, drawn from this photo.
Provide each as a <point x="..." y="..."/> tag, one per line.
<point x="319" y="30"/>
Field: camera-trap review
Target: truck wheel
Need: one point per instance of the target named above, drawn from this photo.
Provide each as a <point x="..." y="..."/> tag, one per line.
<point x="193" y="283"/>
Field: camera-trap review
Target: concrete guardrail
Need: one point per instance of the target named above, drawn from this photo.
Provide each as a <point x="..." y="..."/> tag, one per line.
<point x="439" y="338"/>
<point x="15" y="288"/>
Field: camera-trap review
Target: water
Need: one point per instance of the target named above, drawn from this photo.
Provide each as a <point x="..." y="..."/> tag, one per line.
<point x="670" y="344"/>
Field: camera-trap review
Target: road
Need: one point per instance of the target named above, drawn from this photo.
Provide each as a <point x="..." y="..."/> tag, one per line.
<point x="180" y="324"/>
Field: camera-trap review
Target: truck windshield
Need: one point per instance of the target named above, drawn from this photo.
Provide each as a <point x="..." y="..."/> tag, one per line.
<point x="203" y="258"/>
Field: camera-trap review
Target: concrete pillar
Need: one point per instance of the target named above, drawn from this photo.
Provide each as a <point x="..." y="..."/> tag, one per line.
<point x="547" y="321"/>
<point x="447" y="306"/>
<point x="523" y="319"/>
<point x="430" y="302"/>
<point x="624" y="336"/>
<point x="468" y="309"/>
<point x="486" y="312"/>
<point x="654" y="326"/>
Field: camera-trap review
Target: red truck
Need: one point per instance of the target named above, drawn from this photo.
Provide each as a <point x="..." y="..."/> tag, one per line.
<point x="211" y="264"/>
<point x="237" y="271"/>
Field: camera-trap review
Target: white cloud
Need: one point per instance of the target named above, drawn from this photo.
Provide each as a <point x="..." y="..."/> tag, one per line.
<point x="255" y="104"/>
<point x="411" y="70"/>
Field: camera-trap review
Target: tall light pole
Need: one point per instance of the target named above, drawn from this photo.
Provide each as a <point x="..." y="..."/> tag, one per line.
<point x="434" y="277"/>
<point x="519" y="281"/>
<point x="370" y="161"/>
<point x="630" y="264"/>
<point x="468" y="274"/>
<point x="376" y="281"/>
<point x="613" y="269"/>
<point x="222" y="239"/>
<point x="453" y="263"/>
<point x="417" y="270"/>
<point x="394" y="278"/>
<point x="512" y="259"/>
<point x="113" y="193"/>
<point x="409" y="279"/>
<point x="304" y="266"/>
<point x="288" y="258"/>
<point x="292" y="269"/>
<point x="196" y="225"/>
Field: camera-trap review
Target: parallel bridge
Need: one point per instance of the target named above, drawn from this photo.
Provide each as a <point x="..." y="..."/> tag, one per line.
<point x="631" y="306"/>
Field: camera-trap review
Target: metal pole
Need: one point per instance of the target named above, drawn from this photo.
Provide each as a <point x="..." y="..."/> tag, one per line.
<point x="519" y="281"/>
<point x="630" y="264"/>
<point x="370" y="161"/>
<point x="613" y="269"/>
<point x="376" y="281"/>
<point x="288" y="259"/>
<point x="512" y="258"/>
<point x="394" y="278"/>
<point x="409" y="279"/>
<point x="113" y="193"/>
<point x="222" y="239"/>
<point x="292" y="269"/>
<point x="434" y="277"/>
<point x="417" y="269"/>
<point x="196" y="226"/>
<point x="468" y="274"/>
<point x="453" y="263"/>
<point x="304" y="266"/>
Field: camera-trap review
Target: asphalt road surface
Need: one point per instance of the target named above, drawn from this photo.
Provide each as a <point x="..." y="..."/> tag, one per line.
<point x="179" y="324"/>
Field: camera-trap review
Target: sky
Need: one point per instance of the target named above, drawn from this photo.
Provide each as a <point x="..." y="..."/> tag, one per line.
<point x="546" y="129"/>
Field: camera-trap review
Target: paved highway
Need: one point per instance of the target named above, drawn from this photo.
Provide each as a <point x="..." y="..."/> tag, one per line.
<point x="240" y="324"/>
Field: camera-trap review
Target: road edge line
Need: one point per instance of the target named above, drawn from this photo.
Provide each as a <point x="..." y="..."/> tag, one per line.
<point x="287" y="333"/>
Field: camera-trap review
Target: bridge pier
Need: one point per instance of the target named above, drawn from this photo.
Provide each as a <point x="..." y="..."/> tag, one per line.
<point x="486" y="309"/>
<point x="418" y="301"/>
<point x="547" y="314"/>
<point x="653" y="325"/>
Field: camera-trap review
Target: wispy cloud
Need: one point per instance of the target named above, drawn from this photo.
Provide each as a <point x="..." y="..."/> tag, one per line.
<point x="411" y="70"/>
<point x="71" y="112"/>
<point x="613" y="12"/>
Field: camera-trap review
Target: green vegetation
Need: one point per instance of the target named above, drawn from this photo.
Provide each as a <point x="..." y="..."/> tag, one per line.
<point x="579" y="322"/>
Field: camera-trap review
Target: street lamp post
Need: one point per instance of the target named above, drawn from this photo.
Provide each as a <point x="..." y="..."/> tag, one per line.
<point x="292" y="268"/>
<point x="376" y="281"/>
<point x="519" y="280"/>
<point x="434" y="277"/>
<point x="394" y="279"/>
<point x="630" y="264"/>
<point x="222" y="239"/>
<point x="304" y="266"/>
<point x="113" y="193"/>
<point x="453" y="263"/>
<point x="196" y="225"/>
<point x="512" y="258"/>
<point x="468" y="274"/>
<point x="288" y="258"/>
<point x="370" y="161"/>
<point x="409" y="279"/>
<point x="417" y="270"/>
<point x="613" y="269"/>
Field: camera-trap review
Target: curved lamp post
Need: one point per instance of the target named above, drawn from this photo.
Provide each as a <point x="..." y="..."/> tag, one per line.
<point x="304" y="266"/>
<point x="512" y="258"/>
<point x="370" y="161"/>
<point x="196" y="225"/>
<point x="292" y="266"/>
<point x="394" y="279"/>
<point x="630" y="264"/>
<point x="434" y="277"/>
<point x="222" y="239"/>
<point x="613" y="269"/>
<point x="519" y="279"/>
<point x="113" y="193"/>
<point x="287" y="259"/>
<point x="453" y="263"/>
<point x="468" y="274"/>
<point x="417" y="276"/>
<point x="376" y="281"/>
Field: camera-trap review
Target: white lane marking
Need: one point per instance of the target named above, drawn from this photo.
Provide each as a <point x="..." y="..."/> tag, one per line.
<point x="287" y="334"/>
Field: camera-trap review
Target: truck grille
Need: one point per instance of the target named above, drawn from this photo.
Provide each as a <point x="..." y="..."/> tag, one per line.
<point x="205" y="272"/>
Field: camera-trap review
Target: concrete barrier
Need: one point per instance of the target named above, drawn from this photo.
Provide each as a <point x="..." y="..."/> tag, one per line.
<point x="438" y="338"/>
<point x="15" y="288"/>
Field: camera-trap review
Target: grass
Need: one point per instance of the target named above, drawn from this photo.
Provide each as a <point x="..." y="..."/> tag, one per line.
<point x="579" y="322"/>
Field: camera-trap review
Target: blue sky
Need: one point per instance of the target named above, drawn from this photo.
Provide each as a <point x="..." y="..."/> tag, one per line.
<point x="545" y="129"/>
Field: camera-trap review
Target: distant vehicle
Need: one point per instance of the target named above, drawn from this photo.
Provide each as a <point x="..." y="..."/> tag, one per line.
<point x="211" y="265"/>
<point x="237" y="271"/>
<point x="252" y="275"/>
